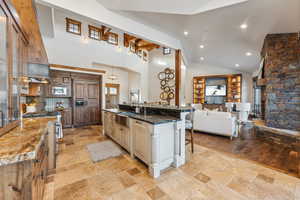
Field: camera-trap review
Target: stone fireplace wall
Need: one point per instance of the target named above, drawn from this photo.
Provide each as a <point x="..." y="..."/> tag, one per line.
<point x="282" y="74"/>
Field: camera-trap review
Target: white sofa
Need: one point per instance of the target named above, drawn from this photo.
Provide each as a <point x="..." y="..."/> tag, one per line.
<point x="221" y="123"/>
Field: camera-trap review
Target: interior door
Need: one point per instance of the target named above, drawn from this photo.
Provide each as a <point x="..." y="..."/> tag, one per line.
<point x="86" y="102"/>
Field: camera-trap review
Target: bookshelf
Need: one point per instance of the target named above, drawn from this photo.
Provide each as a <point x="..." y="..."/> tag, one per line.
<point x="234" y="88"/>
<point x="199" y="90"/>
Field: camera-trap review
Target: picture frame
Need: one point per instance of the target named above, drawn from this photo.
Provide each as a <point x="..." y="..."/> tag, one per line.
<point x="112" y="38"/>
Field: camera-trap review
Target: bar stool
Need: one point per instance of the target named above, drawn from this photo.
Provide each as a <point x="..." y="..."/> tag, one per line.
<point x="189" y="125"/>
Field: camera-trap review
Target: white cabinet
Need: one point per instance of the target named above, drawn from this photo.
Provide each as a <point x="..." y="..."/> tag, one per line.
<point x="117" y="132"/>
<point x="122" y="137"/>
<point x="157" y="145"/>
<point x="109" y="125"/>
<point x="141" y="140"/>
<point x="117" y="136"/>
<point x="126" y="139"/>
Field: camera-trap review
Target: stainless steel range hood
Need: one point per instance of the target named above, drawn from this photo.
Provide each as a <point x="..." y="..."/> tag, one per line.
<point x="40" y="71"/>
<point x="37" y="73"/>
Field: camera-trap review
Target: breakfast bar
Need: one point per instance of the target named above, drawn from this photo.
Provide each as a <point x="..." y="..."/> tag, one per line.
<point x="155" y="136"/>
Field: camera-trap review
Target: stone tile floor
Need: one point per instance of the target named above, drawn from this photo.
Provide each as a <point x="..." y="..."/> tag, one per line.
<point x="209" y="175"/>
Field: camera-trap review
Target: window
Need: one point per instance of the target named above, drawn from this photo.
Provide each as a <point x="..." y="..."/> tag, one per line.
<point x="94" y="32"/>
<point x="113" y="91"/>
<point x="112" y="38"/>
<point x="166" y="51"/>
<point x="73" y="26"/>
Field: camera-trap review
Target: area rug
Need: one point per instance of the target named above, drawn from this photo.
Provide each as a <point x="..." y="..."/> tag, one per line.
<point x="103" y="150"/>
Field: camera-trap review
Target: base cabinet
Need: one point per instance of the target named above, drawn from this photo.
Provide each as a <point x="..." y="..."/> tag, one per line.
<point x="118" y="133"/>
<point x="108" y="124"/>
<point x="67" y="118"/>
<point x="26" y="180"/>
<point x="141" y="140"/>
<point x="157" y="145"/>
<point x="126" y="139"/>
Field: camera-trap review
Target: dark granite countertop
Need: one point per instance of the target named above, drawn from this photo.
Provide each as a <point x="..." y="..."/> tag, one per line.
<point x="151" y="119"/>
<point x="164" y="107"/>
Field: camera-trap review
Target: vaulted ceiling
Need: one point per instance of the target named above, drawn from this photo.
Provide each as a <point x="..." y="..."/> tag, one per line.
<point x="215" y="24"/>
<point x="186" y="7"/>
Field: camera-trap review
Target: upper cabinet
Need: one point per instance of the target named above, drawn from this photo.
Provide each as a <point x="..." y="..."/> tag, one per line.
<point x="18" y="46"/>
<point x="12" y="61"/>
<point x="26" y="10"/>
<point x="3" y="70"/>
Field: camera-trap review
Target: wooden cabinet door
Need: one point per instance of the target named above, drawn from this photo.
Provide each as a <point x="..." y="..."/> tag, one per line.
<point x="39" y="172"/>
<point x="126" y="138"/>
<point x="89" y="112"/>
<point x="141" y="141"/>
<point x="80" y="117"/>
<point x="11" y="57"/>
<point x="67" y="118"/>
<point x="106" y="124"/>
<point x="93" y="103"/>
<point x="80" y="90"/>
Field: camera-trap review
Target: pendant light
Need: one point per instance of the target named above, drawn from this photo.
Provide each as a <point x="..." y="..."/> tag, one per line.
<point x="112" y="76"/>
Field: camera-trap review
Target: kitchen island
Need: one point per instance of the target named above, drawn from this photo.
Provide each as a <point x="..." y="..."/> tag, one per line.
<point x="26" y="154"/>
<point x="154" y="137"/>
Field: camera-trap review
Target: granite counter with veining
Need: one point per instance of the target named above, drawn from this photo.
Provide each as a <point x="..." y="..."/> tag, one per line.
<point x="20" y="144"/>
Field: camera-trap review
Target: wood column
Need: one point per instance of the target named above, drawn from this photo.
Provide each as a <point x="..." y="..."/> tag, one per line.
<point x="177" y="76"/>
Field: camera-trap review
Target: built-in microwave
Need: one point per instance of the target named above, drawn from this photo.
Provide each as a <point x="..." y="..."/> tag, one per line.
<point x="59" y="91"/>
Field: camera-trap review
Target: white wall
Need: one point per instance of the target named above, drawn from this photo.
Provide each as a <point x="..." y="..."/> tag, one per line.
<point x="69" y="49"/>
<point x="95" y="11"/>
<point x="205" y="70"/>
<point x="80" y="51"/>
<point x="158" y="63"/>
<point x="134" y="80"/>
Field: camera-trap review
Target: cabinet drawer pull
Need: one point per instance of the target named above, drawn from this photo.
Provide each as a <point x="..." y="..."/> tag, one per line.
<point x="138" y="122"/>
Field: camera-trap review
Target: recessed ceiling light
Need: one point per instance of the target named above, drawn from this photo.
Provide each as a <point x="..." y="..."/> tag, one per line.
<point x="202" y="58"/>
<point x="243" y="26"/>
<point x="201" y="46"/>
<point x="185" y="33"/>
<point x="248" y="54"/>
<point x="237" y="65"/>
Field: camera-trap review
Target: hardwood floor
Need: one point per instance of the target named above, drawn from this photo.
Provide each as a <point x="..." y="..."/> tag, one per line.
<point x="283" y="156"/>
<point x="208" y="175"/>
